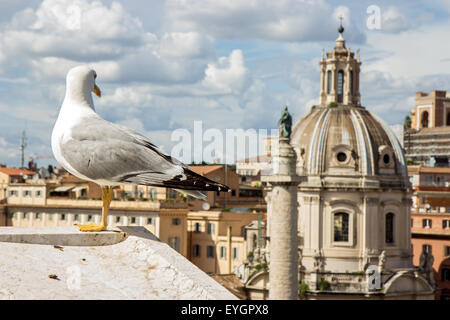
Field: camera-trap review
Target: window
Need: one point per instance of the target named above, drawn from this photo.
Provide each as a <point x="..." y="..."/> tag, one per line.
<point x="27" y="193"/>
<point x="235" y="253"/>
<point x="197" y="227"/>
<point x="445" y="274"/>
<point x="133" y="220"/>
<point x="211" y="228"/>
<point x="412" y="222"/>
<point x="446" y="251"/>
<point x="196" y="250"/>
<point x="210" y="251"/>
<point x="89" y="218"/>
<point x="76" y="217"/>
<point x="13" y="193"/>
<point x="341" y="157"/>
<point x="329" y="81"/>
<point x="25" y="215"/>
<point x="38" y="193"/>
<point x="176" y="222"/>
<point x="174" y="242"/>
<point x="49" y="217"/>
<point x="340" y="87"/>
<point x="446" y="224"/>
<point x="448" y="119"/>
<point x="37" y="216"/>
<point x="117" y="219"/>
<point x="233" y="193"/>
<point x="351" y="82"/>
<point x="63" y="216"/>
<point x="341" y="227"/>
<point x="149" y="220"/>
<point x="223" y="252"/>
<point x="426" y="223"/>
<point x="427" y="248"/>
<point x="424" y="120"/>
<point x="390" y="228"/>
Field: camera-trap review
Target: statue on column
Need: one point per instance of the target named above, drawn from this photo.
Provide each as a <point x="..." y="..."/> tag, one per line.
<point x="285" y="124"/>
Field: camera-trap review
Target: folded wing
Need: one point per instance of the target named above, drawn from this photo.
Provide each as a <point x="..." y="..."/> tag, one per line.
<point x="101" y="150"/>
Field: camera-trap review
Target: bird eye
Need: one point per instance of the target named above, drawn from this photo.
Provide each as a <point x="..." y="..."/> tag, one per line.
<point x="95" y="76"/>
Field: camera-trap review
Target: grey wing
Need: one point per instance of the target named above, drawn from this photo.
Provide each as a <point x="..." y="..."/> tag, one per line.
<point x="100" y="150"/>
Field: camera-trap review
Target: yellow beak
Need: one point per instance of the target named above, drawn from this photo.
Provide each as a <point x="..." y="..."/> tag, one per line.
<point x="97" y="91"/>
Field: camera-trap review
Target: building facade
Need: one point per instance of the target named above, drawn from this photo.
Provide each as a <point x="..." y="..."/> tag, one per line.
<point x="430" y="222"/>
<point x="167" y="224"/>
<point x="429" y="135"/>
<point x="217" y="240"/>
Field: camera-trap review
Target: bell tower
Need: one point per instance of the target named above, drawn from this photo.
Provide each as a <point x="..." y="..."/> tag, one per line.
<point x="339" y="74"/>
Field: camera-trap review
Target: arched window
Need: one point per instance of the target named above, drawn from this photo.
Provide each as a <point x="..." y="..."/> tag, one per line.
<point x="448" y="119"/>
<point x="329" y="81"/>
<point x="389" y="228"/>
<point x="341" y="226"/>
<point x="424" y="120"/>
<point x="340" y="87"/>
<point x="351" y="82"/>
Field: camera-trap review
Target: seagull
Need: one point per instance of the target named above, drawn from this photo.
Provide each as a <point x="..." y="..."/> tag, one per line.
<point x="109" y="154"/>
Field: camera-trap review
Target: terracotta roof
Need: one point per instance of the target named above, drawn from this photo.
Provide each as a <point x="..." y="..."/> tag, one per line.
<point x="231" y="283"/>
<point x="17" y="172"/>
<point x="202" y="170"/>
<point x="428" y="169"/>
<point x="67" y="177"/>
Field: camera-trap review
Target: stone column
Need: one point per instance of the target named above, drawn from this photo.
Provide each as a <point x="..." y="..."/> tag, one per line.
<point x="283" y="267"/>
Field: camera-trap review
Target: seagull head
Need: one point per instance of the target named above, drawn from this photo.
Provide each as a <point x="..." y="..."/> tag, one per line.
<point x="80" y="82"/>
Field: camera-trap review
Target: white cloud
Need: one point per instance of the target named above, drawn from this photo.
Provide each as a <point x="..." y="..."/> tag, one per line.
<point x="60" y="34"/>
<point x="228" y="75"/>
<point x="415" y="53"/>
<point x="392" y="20"/>
<point x="285" y="20"/>
<point x="186" y="45"/>
<point x="78" y="30"/>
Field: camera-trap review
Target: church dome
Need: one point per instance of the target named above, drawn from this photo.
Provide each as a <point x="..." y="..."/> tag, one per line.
<point x="347" y="141"/>
<point x="339" y="140"/>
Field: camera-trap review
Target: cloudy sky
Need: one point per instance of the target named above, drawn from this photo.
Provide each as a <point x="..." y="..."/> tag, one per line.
<point x="162" y="65"/>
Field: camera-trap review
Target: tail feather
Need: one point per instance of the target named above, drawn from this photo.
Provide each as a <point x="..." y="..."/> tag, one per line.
<point x="194" y="181"/>
<point x="194" y="193"/>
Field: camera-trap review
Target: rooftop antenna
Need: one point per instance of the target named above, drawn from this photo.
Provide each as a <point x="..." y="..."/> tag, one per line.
<point x="23" y="144"/>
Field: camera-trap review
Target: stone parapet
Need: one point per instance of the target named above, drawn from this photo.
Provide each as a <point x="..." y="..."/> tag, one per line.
<point x="126" y="263"/>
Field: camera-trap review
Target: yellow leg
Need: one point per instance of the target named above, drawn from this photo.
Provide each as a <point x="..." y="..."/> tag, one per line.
<point x="107" y="195"/>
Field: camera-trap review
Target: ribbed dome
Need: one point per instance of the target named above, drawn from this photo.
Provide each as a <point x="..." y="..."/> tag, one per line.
<point x="346" y="141"/>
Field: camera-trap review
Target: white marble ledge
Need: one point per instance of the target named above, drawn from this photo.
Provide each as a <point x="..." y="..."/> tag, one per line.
<point x="37" y="265"/>
<point x="61" y="236"/>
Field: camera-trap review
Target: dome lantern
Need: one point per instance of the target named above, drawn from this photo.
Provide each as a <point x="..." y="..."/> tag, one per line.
<point x="340" y="75"/>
